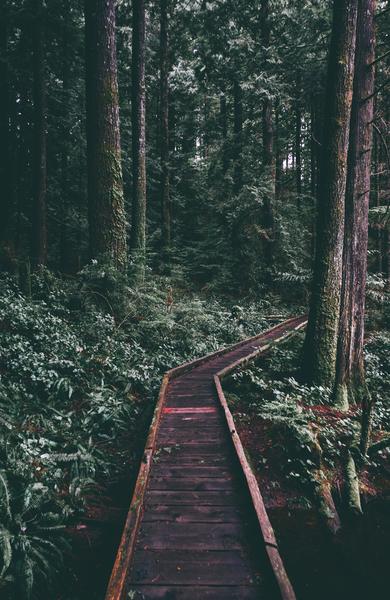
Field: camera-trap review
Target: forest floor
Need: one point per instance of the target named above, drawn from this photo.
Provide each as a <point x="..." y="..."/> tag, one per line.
<point x="81" y="362"/>
<point x="352" y="564"/>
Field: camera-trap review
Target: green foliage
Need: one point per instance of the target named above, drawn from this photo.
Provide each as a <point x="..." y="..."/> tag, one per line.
<point x="301" y="415"/>
<point x="80" y="368"/>
<point x="32" y="544"/>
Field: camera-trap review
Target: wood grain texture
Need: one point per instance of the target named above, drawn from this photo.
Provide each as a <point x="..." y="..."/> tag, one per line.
<point x="197" y="526"/>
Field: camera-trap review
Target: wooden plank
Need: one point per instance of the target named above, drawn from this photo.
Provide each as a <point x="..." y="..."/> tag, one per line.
<point x="191" y="410"/>
<point x="184" y="421"/>
<point x="191" y="459"/>
<point x="192" y="514"/>
<point x="184" y="368"/>
<point x="192" y="447"/>
<point x="159" y="592"/>
<point x="230" y="567"/>
<point x="191" y="436"/>
<point x="190" y="471"/>
<point x="196" y="484"/>
<point x="200" y="433"/>
<point x="183" y="498"/>
<point x="182" y="402"/>
<point x="127" y="544"/>
<point x="196" y="386"/>
<point x="281" y="576"/>
<point x="194" y="536"/>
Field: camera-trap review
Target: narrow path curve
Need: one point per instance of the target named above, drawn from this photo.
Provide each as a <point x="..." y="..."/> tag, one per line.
<point x="194" y="530"/>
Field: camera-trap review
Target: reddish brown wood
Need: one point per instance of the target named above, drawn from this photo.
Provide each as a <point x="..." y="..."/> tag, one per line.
<point x="159" y="592"/>
<point x="192" y="409"/>
<point x="192" y="497"/>
<point x="189" y="567"/>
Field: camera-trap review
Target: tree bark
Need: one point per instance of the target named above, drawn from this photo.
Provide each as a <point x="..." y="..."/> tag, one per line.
<point x="138" y="232"/>
<point x="107" y="220"/>
<point x="65" y="147"/>
<point x="224" y="132"/>
<point x="164" y="128"/>
<point x="320" y="347"/>
<point x="298" y="135"/>
<point x="39" y="212"/>
<point x="5" y="142"/>
<point x="268" y="145"/>
<point x="315" y="146"/>
<point x="237" y="165"/>
<point x="350" y="362"/>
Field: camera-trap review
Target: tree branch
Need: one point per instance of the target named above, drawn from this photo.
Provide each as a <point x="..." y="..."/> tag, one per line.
<point x="379" y="89"/>
<point x="379" y="58"/>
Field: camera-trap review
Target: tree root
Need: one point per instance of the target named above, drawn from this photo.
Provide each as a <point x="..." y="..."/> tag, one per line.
<point x="325" y="504"/>
<point x="352" y="491"/>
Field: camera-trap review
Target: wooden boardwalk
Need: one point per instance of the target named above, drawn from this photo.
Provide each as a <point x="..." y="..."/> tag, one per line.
<point x="197" y="528"/>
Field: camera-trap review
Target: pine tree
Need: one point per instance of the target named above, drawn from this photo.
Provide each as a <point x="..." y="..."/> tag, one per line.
<point x="164" y="129"/>
<point x="320" y="348"/>
<point x="350" y="364"/>
<point x="138" y="224"/>
<point x="39" y="212"/>
<point x="107" y="221"/>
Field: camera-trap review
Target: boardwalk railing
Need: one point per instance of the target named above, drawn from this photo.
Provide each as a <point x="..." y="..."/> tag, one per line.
<point x="117" y="585"/>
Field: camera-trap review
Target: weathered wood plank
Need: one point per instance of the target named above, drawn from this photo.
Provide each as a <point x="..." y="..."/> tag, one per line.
<point x="230" y="567"/>
<point x="182" y="498"/>
<point x="189" y="471"/>
<point x="193" y="514"/>
<point x="189" y="496"/>
<point x="194" y="536"/>
<point x="191" y="483"/>
<point x="191" y="592"/>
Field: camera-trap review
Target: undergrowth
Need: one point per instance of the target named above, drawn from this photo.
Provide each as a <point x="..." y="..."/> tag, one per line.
<point x="313" y="433"/>
<point x="80" y="366"/>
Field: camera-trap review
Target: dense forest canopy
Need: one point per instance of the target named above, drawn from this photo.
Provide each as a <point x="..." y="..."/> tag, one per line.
<point x="172" y="176"/>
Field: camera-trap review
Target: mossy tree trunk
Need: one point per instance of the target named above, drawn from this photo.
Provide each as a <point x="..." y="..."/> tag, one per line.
<point x="268" y="145"/>
<point x="138" y="225"/>
<point x="107" y="220"/>
<point x="320" y="347"/>
<point x="39" y="209"/>
<point x="237" y="142"/>
<point x="223" y="113"/>
<point x="65" y="127"/>
<point x="240" y="267"/>
<point x="350" y="361"/>
<point x="298" y="141"/>
<point x="5" y="141"/>
<point x="164" y="129"/>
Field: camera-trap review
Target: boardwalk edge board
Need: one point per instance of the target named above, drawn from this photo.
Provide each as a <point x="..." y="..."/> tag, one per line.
<point x="285" y="587"/>
<point x="125" y="553"/>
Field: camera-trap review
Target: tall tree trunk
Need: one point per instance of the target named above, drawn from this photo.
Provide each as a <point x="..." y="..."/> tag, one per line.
<point x="39" y="212"/>
<point x="320" y="348"/>
<point x="298" y="138"/>
<point x="278" y="156"/>
<point x="268" y="145"/>
<point x="5" y="142"/>
<point x="386" y="259"/>
<point x="23" y="187"/>
<point x="237" y="165"/>
<point x="65" y="148"/>
<point x="138" y="231"/>
<point x="164" y="128"/>
<point x="224" y="132"/>
<point x="315" y="145"/>
<point x="378" y="233"/>
<point x="107" y="220"/>
<point x="240" y="266"/>
<point x="350" y="363"/>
